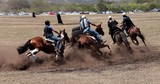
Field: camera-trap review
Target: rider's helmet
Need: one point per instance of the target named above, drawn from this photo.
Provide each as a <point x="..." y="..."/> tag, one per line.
<point x="109" y="17"/>
<point x="47" y="22"/>
<point x="83" y="16"/>
<point x="123" y="14"/>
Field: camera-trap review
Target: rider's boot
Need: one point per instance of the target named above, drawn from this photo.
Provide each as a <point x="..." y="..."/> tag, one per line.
<point x="126" y="33"/>
<point x="57" y="49"/>
<point x="113" y="40"/>
<point x="99" y="39"/>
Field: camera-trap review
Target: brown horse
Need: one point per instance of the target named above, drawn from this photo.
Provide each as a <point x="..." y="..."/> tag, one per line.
<point x="37" y="44"/>
<point x="87" y="41"/>
<point x="76" y="33"/>
<point x="133" y="33"/>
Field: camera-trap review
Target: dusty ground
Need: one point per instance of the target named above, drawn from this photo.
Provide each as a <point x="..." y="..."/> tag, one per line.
<point x="81" y="67"/>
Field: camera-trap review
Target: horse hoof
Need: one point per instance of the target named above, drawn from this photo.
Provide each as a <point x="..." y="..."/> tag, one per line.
<point x="57" y="57"/>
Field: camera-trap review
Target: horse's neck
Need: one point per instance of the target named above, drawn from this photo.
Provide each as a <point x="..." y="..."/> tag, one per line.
<point x="100" y="31"/>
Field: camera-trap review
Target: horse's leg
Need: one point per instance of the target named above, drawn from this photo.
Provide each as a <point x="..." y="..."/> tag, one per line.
<point x="134" y="40"/>
<point x="101" y="53"/>
<point x="32" y="54"/>
<point x="142" y="38"/>
<point x="79" y="45"/>
<point x="117" y="39"/>
<point x="144" y="42"/>
<point x="125" y="41"/>
<point x="109" y="49"/>
<point x="128" y="46"/>
<point x="73" y="41"/>
<point x="95" y="49"/>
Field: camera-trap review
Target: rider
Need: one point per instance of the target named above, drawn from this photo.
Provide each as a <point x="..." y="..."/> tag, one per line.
<point x="49" y="34"/>
<point x="127" y="22"/>
<point x="85" y="27"/>
<point x="112" y="25"/>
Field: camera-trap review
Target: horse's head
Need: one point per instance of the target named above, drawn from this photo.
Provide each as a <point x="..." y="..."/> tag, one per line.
<point x="64" y="35"/>
<point x="99" y="29"/>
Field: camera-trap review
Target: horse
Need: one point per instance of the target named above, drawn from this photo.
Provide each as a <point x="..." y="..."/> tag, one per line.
<point x="76" y="32"/>
<point x="87" y="41"/>
<point x="120" y="39"/>
<point x="133" y="32"/>
<point x="37" y="44"/>
<point x="65" y="36"/>
<point x="99" y="29"/>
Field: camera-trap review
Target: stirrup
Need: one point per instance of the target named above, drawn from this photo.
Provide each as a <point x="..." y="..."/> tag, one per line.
<point x="57" y="50"/>
<point x="53" y="44"/>
<point x="127" y="35"/>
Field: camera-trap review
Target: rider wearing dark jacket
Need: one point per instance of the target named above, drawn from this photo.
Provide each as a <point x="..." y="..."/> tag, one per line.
<point x="112" y="25"/>
<point x="127" y="22"/>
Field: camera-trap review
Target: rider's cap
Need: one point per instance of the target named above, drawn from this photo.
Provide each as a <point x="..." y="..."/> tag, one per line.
<point x="83" y="16"/>
<point x="109" y="17"/>
<point x="123" y="13"/>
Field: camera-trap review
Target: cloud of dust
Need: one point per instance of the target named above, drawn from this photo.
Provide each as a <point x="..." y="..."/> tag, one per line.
<point x="10" y="60"/>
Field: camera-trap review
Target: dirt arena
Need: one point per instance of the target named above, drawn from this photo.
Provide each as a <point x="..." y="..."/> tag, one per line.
<point x="81" y="66"/>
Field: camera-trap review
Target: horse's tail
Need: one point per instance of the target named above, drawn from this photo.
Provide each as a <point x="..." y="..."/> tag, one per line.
<point x="23" y="48"/>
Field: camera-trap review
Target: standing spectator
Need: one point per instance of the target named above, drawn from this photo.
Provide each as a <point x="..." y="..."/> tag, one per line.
<point x="59" y="19"/>
<point x="33" y="15"/>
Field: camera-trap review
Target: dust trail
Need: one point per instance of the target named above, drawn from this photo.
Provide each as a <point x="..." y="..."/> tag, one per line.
<point x="76" y="58"/>
<point x="9" y="59"/>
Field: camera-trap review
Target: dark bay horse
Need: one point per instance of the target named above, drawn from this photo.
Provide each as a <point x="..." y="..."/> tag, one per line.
<point x="87" y="41"/>
<point x="133" y="33"/>
<point x="121" y="38"/>
<point x="37" y="44"/>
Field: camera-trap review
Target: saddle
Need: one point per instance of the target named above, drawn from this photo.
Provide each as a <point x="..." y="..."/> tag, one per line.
<point x="132" y="27"/>
<point x="51" y="41"/>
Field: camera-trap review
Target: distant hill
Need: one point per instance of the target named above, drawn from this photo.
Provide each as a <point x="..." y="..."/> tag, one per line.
<point x="81" y="1"/>
<point x="73" y="1"/>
